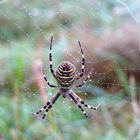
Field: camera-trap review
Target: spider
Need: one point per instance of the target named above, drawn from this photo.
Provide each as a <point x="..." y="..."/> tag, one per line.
<point x="66" y="77"/>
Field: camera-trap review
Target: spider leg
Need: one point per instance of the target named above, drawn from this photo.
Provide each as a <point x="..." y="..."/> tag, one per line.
<point x="48" y="83"/>
<point x="78" y="104"/>
<point x="83" y="63"/>
<point x="83" y="103"/>
<point x="48" y="105"/>
<point x="84" y="82"/>
<point x="50" y="59"/>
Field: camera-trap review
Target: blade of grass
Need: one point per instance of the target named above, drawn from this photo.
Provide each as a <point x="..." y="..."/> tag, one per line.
<point x="4" y="130"/>
<point x="124" y="81"/>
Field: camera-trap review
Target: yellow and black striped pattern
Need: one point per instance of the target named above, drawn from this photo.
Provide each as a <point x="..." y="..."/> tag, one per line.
<point x="65" y="74"/>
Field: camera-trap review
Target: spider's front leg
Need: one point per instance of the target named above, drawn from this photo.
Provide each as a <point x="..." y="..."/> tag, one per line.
<point x="50" y="59"/>
<point x="83" y="63"/>
<point x="48" y="105"/>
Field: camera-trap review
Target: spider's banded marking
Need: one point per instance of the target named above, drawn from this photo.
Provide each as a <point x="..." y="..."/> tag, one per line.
<point x="66" y="68"/>
<point x="66" y="77"/>
<point x="65" y="74"/>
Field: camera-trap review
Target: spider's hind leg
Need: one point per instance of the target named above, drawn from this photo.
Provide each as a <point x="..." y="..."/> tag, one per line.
<point x="48" y="105"/>
<point x="78" y="104"/>
<point x="41" y="110"/>
<point x="83" y="103"/>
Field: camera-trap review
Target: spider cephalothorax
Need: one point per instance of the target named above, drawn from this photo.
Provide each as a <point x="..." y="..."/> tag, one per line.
<point x="66" y="77"/>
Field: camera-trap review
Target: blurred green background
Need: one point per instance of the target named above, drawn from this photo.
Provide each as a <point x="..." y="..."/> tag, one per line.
<point x="109" y="32"/>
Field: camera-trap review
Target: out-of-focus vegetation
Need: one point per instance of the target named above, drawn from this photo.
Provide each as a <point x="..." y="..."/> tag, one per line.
<point x="109" y="32"/>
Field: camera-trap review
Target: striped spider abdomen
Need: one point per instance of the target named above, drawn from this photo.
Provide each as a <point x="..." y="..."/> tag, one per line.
<point x="65" y="74"/>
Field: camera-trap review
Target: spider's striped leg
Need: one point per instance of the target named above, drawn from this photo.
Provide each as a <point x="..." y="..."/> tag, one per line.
<point x="83" y="103"/>
<point x="83" y="63"/>
<point x="78" y="104"/>
<point x="84" y="82"/>
<point x="48" y="104"/>
<point x="48" y="83"/>
<point x="50" y="59"/>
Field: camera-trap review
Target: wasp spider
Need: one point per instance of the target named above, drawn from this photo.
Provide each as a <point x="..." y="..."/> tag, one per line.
<point x="66" y="77"/>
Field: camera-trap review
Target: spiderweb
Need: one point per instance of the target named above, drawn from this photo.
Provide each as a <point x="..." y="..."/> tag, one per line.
<point x="108" y="32"/>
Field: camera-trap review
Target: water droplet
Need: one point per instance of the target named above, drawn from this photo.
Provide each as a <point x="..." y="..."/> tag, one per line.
<point x="50" y="93"/>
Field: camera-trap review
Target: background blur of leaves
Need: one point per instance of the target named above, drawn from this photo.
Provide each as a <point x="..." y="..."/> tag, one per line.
<point x="110" y="35"/>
